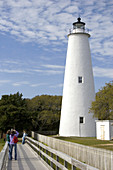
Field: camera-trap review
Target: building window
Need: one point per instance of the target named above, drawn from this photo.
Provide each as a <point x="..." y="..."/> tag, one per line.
<point x="80" y="80"/>
<point x="82" y="120"/>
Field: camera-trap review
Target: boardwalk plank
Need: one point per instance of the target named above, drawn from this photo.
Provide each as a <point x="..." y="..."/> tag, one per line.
<point x="26" y="160"/>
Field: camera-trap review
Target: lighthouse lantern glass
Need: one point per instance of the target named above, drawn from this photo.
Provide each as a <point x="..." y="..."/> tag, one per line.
<point x="79" y="26"/>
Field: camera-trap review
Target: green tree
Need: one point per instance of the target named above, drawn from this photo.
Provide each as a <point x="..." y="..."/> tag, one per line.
<point x="39" y="114"/>
<point x="102" y="107"/>
<point x="13" y="112"/>
<point x="45" y="111"/>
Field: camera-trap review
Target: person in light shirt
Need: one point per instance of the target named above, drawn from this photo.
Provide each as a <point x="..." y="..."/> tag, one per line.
<point x="13" y="134"/>
<point x="23" y="137"/>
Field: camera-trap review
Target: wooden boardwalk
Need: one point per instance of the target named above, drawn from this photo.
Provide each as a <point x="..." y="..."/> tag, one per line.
<point x="26" y="160"/>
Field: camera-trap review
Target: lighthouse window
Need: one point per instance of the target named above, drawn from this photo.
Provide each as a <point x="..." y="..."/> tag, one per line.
<point x="80" y="80"/>
<point x="81" y="119"/>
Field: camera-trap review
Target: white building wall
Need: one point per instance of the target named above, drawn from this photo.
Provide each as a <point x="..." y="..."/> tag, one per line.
<point x="111" y="131"/>
<point x="77" y="97"/>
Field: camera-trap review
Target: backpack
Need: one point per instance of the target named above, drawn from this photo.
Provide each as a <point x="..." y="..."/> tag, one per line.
<point x="15" y="139"/>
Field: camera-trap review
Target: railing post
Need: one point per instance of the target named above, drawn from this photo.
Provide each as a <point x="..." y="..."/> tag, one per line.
<point x="40" y="150"/>
<point x="46" y="157"/>
<point x="57" y="158"/>
<point x="51" y="161"/>
<point x="111" y="161"/>
<point x="43" y="155"/>
<point x="73" y="167"/>
<point x="65" y="163"/>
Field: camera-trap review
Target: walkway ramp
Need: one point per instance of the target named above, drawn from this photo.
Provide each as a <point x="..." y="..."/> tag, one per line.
<point x="26" y="160"/>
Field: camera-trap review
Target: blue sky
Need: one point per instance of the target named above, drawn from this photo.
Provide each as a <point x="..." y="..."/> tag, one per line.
<point x="33" y="43"/>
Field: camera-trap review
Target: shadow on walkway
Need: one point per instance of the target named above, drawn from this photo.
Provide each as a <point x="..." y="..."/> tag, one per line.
<point x="26" y="160"/>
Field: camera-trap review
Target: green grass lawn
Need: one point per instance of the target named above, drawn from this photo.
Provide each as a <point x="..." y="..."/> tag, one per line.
<point x="2" y="143"/>
<point x="89" y="141"/>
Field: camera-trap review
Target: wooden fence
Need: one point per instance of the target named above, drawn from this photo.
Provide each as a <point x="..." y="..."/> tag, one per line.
<point x="52" y="157"/>
<point x="95" y="157"/>
<point x="4" y="157"/>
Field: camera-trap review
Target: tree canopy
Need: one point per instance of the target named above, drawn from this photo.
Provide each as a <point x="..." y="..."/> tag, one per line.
<point x="102" y="107"/>
<point x="13" y="112"/>
<point x="45" y="110"/>
<point x="41" y="113"/>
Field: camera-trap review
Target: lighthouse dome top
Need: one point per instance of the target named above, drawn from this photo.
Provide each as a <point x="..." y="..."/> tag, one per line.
<point x="79" y="24"/>
<point x="79" y="28"/>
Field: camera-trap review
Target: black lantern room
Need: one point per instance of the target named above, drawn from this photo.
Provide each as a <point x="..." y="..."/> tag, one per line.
<point x="79" y="24"/>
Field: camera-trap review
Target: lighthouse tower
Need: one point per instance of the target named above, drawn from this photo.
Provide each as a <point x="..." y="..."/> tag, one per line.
<point x="78" y="91"/>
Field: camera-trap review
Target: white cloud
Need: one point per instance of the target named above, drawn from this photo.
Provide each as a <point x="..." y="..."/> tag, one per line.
<point x="38" y="84"/>
<point x="48" y="72"/>
<point x="103" y="72"/>
<point x="48" y="69"/>
<point x="4" y="81"/>
<point x="29" y="67"/>
<point x="11" y="62"/>
<point x="34" y="20"/>
<point x="11" y="71"/>
<point x="53" y="72"/>
<point x="53" y="66"/>
<point x="47" y="22"/>
<point x="20" y="83"/>
<point x="56" y="86"/>
<point x="72" y="9"/>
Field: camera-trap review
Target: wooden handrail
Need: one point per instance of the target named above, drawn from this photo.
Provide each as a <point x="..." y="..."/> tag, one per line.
<point x="4" y="157"/>
<point x="74" y="163"/>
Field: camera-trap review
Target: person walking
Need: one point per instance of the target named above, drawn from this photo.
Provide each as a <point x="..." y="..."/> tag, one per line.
<point x="23" y="137"/>
<point x="8" y="140"/>
<point x="13" y="143"/>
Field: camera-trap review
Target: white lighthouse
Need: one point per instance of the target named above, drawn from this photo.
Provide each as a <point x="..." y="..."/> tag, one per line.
<point x="78" y="91"/>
